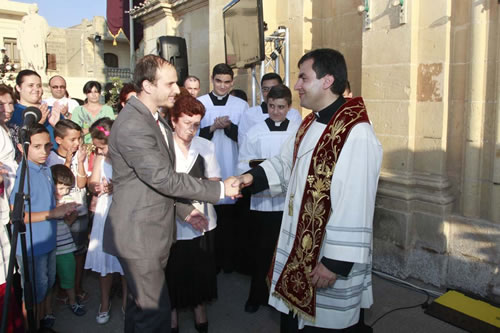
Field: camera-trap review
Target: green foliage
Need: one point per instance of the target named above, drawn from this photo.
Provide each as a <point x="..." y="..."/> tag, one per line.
<point x="114" y="93"/>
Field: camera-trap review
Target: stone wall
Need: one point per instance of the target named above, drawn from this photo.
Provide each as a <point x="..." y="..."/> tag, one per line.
<point x="432" y="97"/>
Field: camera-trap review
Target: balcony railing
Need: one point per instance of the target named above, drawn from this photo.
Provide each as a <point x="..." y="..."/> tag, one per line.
<point x="123" y="73"/>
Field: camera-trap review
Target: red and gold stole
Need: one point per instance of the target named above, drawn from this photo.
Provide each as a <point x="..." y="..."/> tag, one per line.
<point x="294" y="286"/>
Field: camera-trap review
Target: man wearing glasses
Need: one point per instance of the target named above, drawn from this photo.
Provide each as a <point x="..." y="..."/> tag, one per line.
<point x="57" y="86"/>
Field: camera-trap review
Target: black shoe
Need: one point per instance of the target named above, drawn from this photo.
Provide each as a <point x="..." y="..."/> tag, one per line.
<point x="174" y="329"/>
<point x="202" y="328"/>
<point x="251" y="308"/>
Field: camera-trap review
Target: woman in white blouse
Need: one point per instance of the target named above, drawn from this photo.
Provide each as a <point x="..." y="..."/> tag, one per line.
<point x="191" y="275"/>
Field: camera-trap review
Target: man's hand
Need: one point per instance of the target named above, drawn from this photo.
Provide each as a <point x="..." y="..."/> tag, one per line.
<point x="60" y="108"/>
<point x="197" y="220"/>
<point x="44" y="108"/>
<point x="224" y="122"/>
<point x="322" y="277"/>
<point x="232" y="187"/>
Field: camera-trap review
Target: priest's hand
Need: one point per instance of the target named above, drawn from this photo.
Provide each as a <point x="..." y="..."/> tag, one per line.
<point x="197" y="220"/>
<point x="245" y="180"/>
<point x="322" y="277"/>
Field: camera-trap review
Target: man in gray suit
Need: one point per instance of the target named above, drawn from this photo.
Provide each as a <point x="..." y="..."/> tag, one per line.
<point x="140" y="227"/>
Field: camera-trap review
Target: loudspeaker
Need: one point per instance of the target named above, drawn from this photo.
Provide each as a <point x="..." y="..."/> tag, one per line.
<point x="173" y="49"/>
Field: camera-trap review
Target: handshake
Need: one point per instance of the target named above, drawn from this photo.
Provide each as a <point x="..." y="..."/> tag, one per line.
<point x="232" y="188"/>
<point x="234" y="184"/>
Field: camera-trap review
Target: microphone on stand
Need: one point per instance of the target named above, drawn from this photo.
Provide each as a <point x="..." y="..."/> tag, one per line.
<point x="31" y="115"/>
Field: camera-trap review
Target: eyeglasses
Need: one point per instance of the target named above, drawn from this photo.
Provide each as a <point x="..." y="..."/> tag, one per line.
<point x="58" y="87"/>
<point x="266" y="89"/>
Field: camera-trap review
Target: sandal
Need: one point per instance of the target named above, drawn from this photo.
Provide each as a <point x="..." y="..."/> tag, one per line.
<point x="82" y="297"/>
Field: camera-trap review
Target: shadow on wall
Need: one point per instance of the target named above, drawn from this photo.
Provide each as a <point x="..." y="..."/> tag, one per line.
<point x="420" y="233"/>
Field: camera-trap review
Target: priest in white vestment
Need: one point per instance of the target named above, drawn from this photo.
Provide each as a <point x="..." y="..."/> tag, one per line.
<point x="321" y="274"/>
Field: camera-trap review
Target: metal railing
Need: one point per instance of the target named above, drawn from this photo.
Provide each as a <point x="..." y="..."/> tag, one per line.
<point x="123" y="73"/>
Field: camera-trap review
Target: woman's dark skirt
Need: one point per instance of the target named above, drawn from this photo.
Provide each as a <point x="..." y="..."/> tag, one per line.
<point x="191" y="276"/>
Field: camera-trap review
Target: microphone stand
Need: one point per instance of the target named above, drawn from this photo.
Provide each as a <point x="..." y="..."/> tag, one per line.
<point x="19" y="228"/>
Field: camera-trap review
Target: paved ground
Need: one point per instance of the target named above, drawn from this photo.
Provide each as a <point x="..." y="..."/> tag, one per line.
<point x="226" y="315"/>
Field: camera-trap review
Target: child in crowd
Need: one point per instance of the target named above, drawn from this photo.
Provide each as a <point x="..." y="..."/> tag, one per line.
<point x="64" y="181"/>
<point x="43" y="218"/>
<point x="100" y="183"/>
<point x="71" y="153"/>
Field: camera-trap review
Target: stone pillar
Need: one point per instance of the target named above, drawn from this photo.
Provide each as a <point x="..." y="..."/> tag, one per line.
<point x="405" y="83"/>
<point x="474" y="121"/>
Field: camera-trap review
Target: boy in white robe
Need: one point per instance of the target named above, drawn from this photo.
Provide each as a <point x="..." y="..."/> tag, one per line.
<point x="263" y="141"/>
<point x="220" y="125"/>
<point x="260" y="112"/>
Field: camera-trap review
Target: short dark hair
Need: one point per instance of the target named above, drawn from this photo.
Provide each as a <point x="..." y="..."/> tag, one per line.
<point x="25" y="72"/>
<point x="101" y="129"/>
<point x="192" y="78"/>
<point x="5" y="89"/>
<point x="126" y="89"/>
<point x="187" y="105"/>
<point x="240" y="94"/>
<point x="328" y="62"/>
<point x="87" y="88"/>
<point x="271" y="76"/>
<point x="222" y="69"/>
<point x="146" y="68"/>
<point x="347" y="86"/>
<point x="36" y="129"/>
<point x="20" y="79"/>
<point x="62" y="127"/>
<point x="62" y="175"/>
<point x="280" y="91"/>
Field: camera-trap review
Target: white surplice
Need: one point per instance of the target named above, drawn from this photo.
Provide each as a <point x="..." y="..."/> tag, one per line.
<point x="254" y="115"/>
<point x="348" y="234"/>
<point x="226" y="149"/>
<point x="262" y="143"/>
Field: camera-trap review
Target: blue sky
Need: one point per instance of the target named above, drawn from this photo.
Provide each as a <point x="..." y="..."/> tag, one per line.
<point x="66" y="13"/>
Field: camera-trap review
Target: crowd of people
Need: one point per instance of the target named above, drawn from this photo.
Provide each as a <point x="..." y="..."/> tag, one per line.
<point x="164" y="192"/>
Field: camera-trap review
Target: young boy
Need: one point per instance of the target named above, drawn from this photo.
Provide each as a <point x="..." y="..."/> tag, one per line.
<point x="43" y="217"/>
<point x="264" y="140"/>
<point x="64" y="181"/>
<point x="69" y="152"/>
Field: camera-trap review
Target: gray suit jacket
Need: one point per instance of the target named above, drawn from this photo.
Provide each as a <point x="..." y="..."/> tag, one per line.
<point x="141" y="219"/>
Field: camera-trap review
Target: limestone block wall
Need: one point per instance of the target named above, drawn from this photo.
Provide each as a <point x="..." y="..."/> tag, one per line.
<point x="431" y="92"/>
<point x="56" y="44"/>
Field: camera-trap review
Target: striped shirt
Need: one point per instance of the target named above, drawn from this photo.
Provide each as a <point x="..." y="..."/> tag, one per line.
<point x="65" y="242"/>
